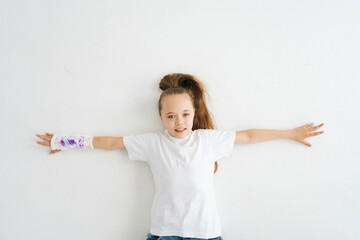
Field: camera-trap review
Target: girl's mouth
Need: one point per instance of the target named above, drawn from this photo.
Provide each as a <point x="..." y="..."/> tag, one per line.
<point x="180" y="131"/>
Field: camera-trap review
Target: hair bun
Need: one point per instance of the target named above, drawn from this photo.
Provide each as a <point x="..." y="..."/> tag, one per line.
<point x="171" y="80"/>
<point x="187" y="83"/>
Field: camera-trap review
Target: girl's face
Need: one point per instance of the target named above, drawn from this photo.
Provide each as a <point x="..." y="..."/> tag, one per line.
<point x="177" y="114"/>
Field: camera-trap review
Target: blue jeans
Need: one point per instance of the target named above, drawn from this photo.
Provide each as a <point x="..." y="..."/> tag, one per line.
<point x="154" y="237"/>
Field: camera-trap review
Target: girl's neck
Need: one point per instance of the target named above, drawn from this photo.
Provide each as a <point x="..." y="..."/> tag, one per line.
<point x="178" y="140"/>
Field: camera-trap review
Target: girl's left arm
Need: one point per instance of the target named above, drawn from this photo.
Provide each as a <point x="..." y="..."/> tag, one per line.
<point x="259" y="135"/>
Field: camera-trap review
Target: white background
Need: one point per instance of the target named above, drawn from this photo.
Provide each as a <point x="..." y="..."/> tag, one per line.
<point x="93" y="67"/>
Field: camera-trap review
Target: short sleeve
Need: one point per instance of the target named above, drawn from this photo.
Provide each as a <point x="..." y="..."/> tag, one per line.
<point x="138" y="146"/>
<point x="221" y="141"/>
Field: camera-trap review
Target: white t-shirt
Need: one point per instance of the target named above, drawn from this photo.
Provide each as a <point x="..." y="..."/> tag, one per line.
<point x="183" y="169"/>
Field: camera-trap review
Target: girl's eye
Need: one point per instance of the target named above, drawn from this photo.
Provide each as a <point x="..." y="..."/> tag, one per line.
<point x="172" y="115"/>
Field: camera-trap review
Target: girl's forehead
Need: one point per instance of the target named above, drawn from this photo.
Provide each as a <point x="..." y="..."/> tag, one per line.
<point x="177" y="101"/>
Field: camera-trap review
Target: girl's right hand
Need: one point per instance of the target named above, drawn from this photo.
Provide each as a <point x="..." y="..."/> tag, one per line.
<point x="47" y="138"/>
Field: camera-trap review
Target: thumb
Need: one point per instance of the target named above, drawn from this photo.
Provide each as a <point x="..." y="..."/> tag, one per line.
<point x="305" y="142"/>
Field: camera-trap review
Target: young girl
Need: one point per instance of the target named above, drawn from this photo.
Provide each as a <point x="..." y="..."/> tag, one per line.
<point x="181" y="158"/>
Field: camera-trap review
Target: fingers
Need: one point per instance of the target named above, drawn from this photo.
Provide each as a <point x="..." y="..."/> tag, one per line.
<point x="317" y="127"/>
<point x="305" y="142"/>
<point x="46" y="137"/>
<point x="320" y="126"/>
<point x="54" y="151"/>
<point x="313" y="134"/>
<point x="308" y="125"/>
<point x="308" y="132"/>
<point x="44" y="143"/>
<point x="41" y="136"/>
<point x="317" y="133"/>
<point x="312" y="128"/>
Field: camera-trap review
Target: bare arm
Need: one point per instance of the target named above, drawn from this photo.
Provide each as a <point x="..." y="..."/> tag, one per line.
<point x="261" y="135"/>
<point x="108" y="143"/>
<point x="251" y="136"/>
<point x="297" y="134"/>
<point x="242" y="137"/>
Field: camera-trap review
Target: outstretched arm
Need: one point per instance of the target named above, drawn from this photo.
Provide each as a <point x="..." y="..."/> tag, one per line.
<point x="107" y="143"/>
<point x="259" y="135"/>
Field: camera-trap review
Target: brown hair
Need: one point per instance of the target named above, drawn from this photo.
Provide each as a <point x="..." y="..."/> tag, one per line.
<point x="179" y="83"/>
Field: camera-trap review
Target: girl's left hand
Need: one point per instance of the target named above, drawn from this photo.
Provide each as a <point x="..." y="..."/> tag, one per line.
<point x="300" y="133"/>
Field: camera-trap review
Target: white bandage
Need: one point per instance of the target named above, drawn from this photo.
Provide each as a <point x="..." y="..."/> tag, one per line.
<point x="66" y="142"/>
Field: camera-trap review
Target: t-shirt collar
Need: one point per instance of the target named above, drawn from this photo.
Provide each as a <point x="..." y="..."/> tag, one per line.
<point x="178" y="140"/>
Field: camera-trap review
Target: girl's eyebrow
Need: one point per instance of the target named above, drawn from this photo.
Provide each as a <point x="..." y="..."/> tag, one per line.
<point x="184" y="111"/>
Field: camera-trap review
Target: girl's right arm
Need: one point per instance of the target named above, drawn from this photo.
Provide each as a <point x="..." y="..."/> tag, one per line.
<point x="107" y="143"/>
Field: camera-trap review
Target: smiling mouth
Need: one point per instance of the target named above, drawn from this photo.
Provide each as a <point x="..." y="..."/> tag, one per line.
<point x="179" y="131"/>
